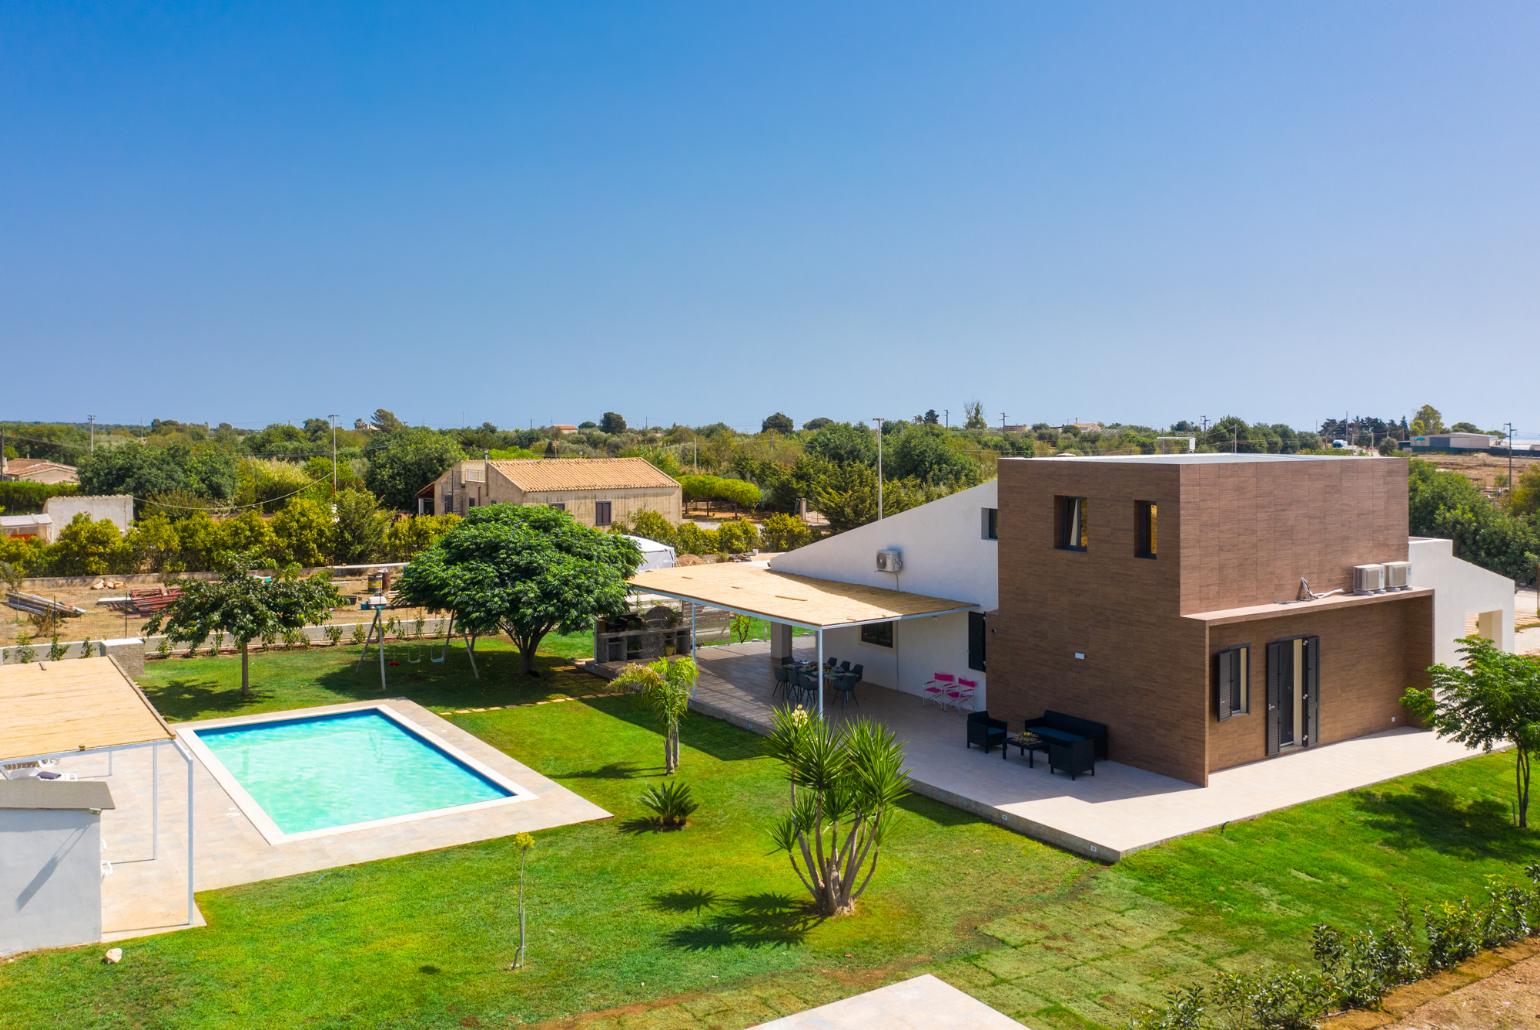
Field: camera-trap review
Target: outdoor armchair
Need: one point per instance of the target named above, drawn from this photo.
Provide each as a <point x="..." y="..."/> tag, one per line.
<point x="985" y="732"/>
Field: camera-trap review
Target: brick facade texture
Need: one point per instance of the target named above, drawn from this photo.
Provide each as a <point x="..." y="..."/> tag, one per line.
<point x="1230" y="535"/>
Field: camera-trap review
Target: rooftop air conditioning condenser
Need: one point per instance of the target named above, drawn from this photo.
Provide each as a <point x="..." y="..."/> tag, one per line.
<point x="1368" y="579"/>
<point x="1398" y="575"/>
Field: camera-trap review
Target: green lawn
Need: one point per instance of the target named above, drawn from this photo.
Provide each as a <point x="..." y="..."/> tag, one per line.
<point x="705" y="927"/>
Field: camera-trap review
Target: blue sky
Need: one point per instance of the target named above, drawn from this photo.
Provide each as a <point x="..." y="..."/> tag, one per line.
<point x="514" y="212"/>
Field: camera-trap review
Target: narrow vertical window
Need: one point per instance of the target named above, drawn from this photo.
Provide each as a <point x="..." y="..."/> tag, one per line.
<point x="602" y="513"/>
<point x="1146" y="529"/>
<point x="1232" y="682"/>
<point x="991" y="524"/>
<point x="1071" y="529"/>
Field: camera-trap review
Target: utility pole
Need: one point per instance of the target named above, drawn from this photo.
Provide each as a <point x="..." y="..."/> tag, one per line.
<point x="1203" y="423"/>
<point x="92" y="420"/>
<point x="1510" y="460"/>
<point x="946" y="414"/>
<point x="1002" y="421"/>
<point x="334" y="455"/>
<point x="879" y="468"/>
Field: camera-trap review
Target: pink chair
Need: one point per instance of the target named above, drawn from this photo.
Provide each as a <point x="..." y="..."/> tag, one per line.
<point x="962" y="695"/>
<point x="936" y="689"/>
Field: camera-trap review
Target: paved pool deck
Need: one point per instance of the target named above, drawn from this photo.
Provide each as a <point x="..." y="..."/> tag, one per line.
<point x="921" y="1003"/>
<point x="144" y="895"/>
<point x="1118" y="811"/>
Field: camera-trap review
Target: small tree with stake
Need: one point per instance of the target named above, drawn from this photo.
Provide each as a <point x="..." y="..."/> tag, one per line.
<point x="522" y="842"/>
<point x="246" y="608"/>
<point x="1494" y="698"/>
<point x="666" y="686"/>
<point x="845" y="785"/>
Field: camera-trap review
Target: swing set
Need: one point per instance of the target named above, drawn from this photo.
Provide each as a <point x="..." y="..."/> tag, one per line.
<point x="378" y="603"/>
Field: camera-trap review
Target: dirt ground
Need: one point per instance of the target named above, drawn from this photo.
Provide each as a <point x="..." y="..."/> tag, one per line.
<point x="103" y="623"/>
<point x="1482" y="469"/>
<point x="1503" y="1001"/>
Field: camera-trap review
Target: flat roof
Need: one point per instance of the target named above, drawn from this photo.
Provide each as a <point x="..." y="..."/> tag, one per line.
<point x="55" y="795"/>
<point x="79" y="704"/>
<point x="784" y="597"/>
<point x="1255" y="612"/>
<point x="1189" y="458"/>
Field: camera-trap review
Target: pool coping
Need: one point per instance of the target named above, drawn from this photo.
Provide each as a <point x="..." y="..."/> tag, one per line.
<point x="254" y="812"/>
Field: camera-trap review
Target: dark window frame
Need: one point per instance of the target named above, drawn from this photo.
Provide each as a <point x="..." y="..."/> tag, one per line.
<point x="608" y="510"/>
<point x="990" y="528"/>
<point x="878" y="634"/>
<point x="1232" y="681"/>
<point x="1069" y="513"/>
<point x="978" y="642"/>
<point x="1147" y="529"/>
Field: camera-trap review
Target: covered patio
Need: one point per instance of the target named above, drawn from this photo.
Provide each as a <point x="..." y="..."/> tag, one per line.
<point x="819" y="607"/>
<point x="85" y="719"/>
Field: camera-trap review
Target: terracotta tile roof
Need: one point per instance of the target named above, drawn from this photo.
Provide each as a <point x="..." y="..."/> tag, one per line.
<point x="542" y="475"/>
<point x="23" y="466"/>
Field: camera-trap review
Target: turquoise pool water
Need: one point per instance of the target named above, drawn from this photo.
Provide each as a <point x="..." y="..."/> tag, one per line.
<point x="324" y="771"/>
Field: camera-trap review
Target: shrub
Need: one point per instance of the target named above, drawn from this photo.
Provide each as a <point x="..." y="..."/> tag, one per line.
<point x="218" y="641"/>
<point x="333" y="635"/>
<point x="671" y="804"/>
<point x="269" y="637"/>
<point x="652" y="526"/>
<point x="785" y="533"/>
<point x="1290" y="1000"/>
<point x="737" y="536"/>
<point x="417" y="625"/>
<point x="360" y="633"/>
<point x="691" y="539"/>
<point x="56" y="650"/>
<point x="1361" y="969"/>
<point x="24" y="652"/>
<point x="294" y="637"/>
<point x="163" y="649"/>
<point x="85" y="648"/>
<point x="20" y="497"/>
<point x="741" y="626"/>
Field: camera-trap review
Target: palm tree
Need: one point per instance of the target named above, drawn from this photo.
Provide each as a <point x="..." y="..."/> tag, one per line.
<point x="666" y="686"/>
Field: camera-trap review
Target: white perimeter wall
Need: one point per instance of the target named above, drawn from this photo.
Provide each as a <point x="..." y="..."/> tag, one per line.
<point x="115" y="508"/>
<point x="50" y="879"/>
<point x="945" y="555"/>
<point x="1461" y="591"/>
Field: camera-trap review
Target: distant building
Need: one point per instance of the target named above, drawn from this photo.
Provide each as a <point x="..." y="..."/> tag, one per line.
<point x="565" y="429"/>
<point x="596" y="491"/>
<point x="40" y="526"/>
<point x="115" y="508"/>
<point x="1454" y="442"/>
<point x="37" y="470"/>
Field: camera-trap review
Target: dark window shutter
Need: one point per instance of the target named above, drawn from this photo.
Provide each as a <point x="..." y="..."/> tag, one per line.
<point x="1224" y="673"/>
<point x="976" y="641"/>
<point x="1312" y="681"/>
<point x="1275" y="672"/>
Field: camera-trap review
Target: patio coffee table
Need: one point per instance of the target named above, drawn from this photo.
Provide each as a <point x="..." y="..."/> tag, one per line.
<point x="1025" y="743"/>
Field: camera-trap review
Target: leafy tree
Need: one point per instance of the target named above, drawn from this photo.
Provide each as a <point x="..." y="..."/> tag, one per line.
<point x="148" y="471"/>
<point x="28" y="555"/>
<point x="358" y="532"/>
<point x="843" y="443"/>
<point x="154" y="543"/>
<point x="612" y="422"/>
<point x="198" y="540"/>
<point x="737" y="536"/>
<point x="846" y="784"/>
<point x="930" y="418"/>
<point x="302" y="533"/>
<point x="777" y="423"/>
<point x="817" y="423"/>
<point x="245" y="538"/>
<point x="525" y="569"/>
<point x="666" y="686"/>
<point x="1446" y="504"/>
<point x="270" y="483"/>
<point x="650" y="525"/>
<point x="411" y="535"/>
<point x="89" y="547"/>
<point x="973" y="416"/>
<point x="1493" y="698"/>
<point x="386" y="421"/>
<point x="848" y="498"/>
<point x="1466" y="427"/>
<point x="785" y="533"/>
<point x="1427" y="420"/>
<point x="245" y="607"/>
<point x="926" y="453"/>
<point x="404" y="461"/>
<point x="1524" y="498"/>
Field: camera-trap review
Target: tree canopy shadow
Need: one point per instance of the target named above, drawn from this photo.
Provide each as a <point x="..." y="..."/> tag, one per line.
<point x="765" y="920"/>
<point x="185" y="699"/>
<point x="1437" y="818"/>
<point x="615" y="771"/>
<point x="697" y="731"/>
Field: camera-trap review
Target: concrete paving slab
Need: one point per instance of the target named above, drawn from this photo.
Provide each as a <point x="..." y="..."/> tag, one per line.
<point x="923" y="1003"/>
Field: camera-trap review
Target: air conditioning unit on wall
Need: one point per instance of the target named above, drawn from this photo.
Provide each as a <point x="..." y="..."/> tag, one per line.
<point x="1398" y="575"/>
<point x="890" y="559"/>
<point x="1368" y="579"/>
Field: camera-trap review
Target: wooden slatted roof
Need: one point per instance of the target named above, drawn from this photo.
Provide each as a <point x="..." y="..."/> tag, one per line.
<point x="783" y="597"/>
<point x="74" y="705"/>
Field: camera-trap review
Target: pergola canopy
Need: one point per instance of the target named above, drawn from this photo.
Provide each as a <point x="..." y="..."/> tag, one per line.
<point x="80" y="704"/>
<point x="803" y="601"/>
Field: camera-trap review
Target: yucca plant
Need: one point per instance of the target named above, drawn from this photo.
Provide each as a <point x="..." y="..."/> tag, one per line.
<point x="670" y="803"/>
<point x="846" y="783"/>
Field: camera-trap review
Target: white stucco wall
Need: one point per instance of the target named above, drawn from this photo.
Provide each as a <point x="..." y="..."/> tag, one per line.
<point x="945" y="555"/>
<point x="1461" y="591"/>
<point x="115" y="508"/>
<point x="50" y="879"/>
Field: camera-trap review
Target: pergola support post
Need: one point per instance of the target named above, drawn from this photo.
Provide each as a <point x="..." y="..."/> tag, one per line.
<point x="154" y="802"/>
<point x="692" y="630"/>
<point x="820" y="673"/>
<point x="192" y="907"/>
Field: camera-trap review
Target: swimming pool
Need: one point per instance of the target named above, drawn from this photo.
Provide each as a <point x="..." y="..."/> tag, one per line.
<point x="310" y="774"/>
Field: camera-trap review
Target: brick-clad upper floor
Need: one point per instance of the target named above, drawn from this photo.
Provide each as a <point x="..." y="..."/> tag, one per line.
<point x="1230" y="531"/>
